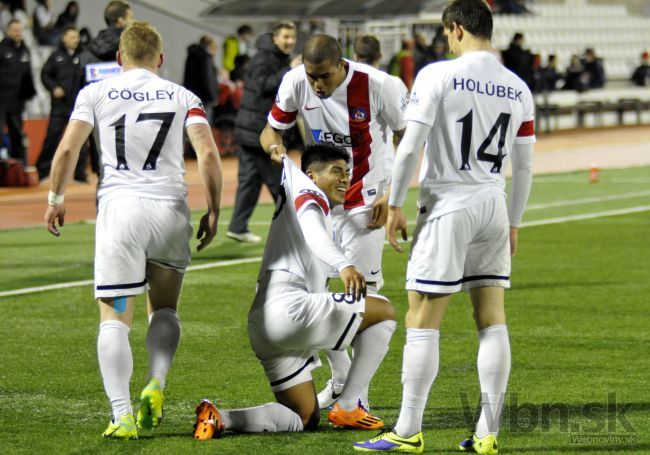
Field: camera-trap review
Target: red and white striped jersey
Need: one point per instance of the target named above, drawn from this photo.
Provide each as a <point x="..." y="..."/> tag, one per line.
<point x="478" y="110"/>
<point x="139" y="121"/>
<point x="351" y="118"/>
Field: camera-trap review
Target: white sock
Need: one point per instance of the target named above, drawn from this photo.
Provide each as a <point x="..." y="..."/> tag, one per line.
<point x="116" y="365"/>
<point x="340" y="364"/>
<point x="163" y="337"/>
<point x="370" y="348"/>
<point x="493" y="371"/>
<point x="419" y="369"/>
<point x="271" y="417"/>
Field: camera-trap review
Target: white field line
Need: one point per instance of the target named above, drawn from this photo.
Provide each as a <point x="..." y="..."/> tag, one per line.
<point x="209" y="265"/>
<point x="588" y="200"/>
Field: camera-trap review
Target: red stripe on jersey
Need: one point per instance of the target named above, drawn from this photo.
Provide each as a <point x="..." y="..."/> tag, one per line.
<point x="281" y="116"/>
<point x="306" y="197"/>
<point x="526" y="129"/>
<point x="196" y="112"/>
<point x="359" y="121"/>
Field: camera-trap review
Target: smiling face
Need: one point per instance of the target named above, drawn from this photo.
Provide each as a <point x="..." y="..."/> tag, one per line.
<point x="285" y="40"/>
<point x="325" y="77"/>
<point x="332" y="178"/>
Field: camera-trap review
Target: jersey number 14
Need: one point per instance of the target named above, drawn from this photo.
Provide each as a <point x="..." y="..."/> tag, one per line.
<point x="120" y="138"/>
<point x="500" y="126"/>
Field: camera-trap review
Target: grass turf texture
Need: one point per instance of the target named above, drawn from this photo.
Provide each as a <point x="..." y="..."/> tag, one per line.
<point x="577" y="317"/>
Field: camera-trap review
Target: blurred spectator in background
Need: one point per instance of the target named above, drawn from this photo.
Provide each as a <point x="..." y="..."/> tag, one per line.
<point x="235" y="46"/>
<point x="573" y="75"/>
<point x="103" y="48"/>
<point x="69" y="16"/>
<point x="43" y="23"/>
<point x="439" y="50"/>
<point x="265" y="71"/>
<point x="421" y="52"/>
<point x="85" y="37"/>
<point x="402" y="64"/>
<point x="60" y="75"/>
<point x="641" y="76"/>
<point x="519" y="60"/>
<point x="16" y="87"/>
<point x="200" y="75"/>
<point x="593" y="75"/>
<point x="550" y="75"/>
<point x="5" y="17"/>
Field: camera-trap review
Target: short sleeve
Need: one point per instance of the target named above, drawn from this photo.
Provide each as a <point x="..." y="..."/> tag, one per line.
<point x="83" y="107"/>
<point x="392" y="99"/>
<point x="195" y="110"/>
<point x="425" y="96"/>
<point x="285" y="108"/>
<point x="526" y="131"/>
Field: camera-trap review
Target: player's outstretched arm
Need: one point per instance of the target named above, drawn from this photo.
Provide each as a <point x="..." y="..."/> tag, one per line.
<point x="63" y="164"/>
<point x="211" y="174"/>
<point x="271" y="140"/>
<point x="522" y="179"/>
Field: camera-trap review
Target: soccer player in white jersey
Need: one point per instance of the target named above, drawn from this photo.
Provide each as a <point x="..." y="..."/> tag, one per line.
<point x="348" y="104"/>
<point x="293" y="316"/>
<point x="474" y="115"/>
<point x="143" y="220"/>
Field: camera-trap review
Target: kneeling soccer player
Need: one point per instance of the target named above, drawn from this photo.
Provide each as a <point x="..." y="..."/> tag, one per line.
<point x="293" y="316"/>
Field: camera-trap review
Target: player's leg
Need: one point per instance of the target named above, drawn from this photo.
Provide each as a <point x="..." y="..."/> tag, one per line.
<point x="370" y="347"/>
<point x="488" y="267"/>
<point x="116" y="362"/>
<point x="169" y="255"/>
<point x="120" y="243"/>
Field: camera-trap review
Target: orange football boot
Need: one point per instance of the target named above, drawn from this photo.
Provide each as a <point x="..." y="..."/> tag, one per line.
<point x="208" y="421"/>
<point x="358" y="418"/>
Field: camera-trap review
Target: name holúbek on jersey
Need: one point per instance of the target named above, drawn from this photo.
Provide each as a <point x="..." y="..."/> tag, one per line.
<point x="487" y="88"/>
<point x="126" y="94"/>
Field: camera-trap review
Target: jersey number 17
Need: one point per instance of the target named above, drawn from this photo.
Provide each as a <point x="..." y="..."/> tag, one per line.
<point x="120" y="138"/>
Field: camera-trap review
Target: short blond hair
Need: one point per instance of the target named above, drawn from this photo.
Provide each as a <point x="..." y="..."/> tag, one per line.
<point x="141" y="43"/>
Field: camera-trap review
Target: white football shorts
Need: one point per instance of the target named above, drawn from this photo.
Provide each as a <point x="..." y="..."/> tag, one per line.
<point x="463" y="249"/>
<point x="132" y="231"/>
<point x="362" y="246"/>
<point x="290" y="326"/>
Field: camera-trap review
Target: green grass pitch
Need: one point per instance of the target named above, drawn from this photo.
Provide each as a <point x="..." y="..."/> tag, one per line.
<point x="578" y="316"/>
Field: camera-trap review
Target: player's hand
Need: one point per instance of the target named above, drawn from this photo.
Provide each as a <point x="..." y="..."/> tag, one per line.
<point x="207" y="229"/>
<point x="379" y="213"/>
<point x="277" y="152"/>
<point x="52" y="214"/>
<point x="396" y="222"/>
<point x="354" y="282"/>
<point x="513" y="240"/>
<point x="58" y="92"/>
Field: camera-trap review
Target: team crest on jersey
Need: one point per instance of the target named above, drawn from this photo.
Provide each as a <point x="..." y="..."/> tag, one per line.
<point x="359" y="114"/>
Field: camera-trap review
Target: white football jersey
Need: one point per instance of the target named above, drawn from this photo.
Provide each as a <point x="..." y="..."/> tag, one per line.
<point x="478" y="110"/>
<point x="286" y="247"/>
<point x="139" y="121"/>
<point x="388" y="133"/>
<point x="351" y="118"/>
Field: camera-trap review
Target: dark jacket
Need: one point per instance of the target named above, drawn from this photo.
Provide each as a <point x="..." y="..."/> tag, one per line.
<point x="520" y="62"/>
<point x="16" y="82"/>
<point x="101" y="49"/>
<point x="200" y="76"/>
<point x="641" y="76"/>
<point x="62" y="70"/>
<point x="261" y="83"/>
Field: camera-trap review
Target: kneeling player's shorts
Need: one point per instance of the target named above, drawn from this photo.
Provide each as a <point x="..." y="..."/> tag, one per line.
<point x="132" y="231"/>
<point x="465" y="249"/>
<point x="291" y="325"/>
<point x="362" y="246"/>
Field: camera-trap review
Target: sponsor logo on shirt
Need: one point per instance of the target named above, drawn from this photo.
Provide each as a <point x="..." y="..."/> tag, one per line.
<point x="333" y="138"/>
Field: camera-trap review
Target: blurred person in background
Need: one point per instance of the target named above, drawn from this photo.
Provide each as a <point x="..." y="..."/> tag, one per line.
<point x="43" y="23"/>
<point x="200" y="75"/>
<point x="641" y="75"/>
<point x="519" y="60"/>
<point x="16" y="87"/>
<point x="265" y="72"/>
<point x="239" y="45"/>
<point x="573" y="75"/>
<point x="593" y="75"/>
<point x="60" y="76"/>
<point x="68" y="16"/>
